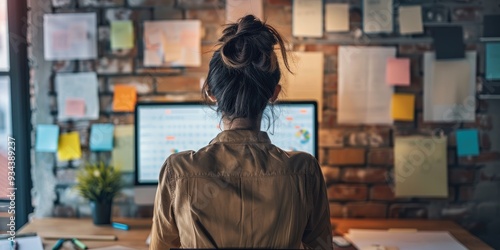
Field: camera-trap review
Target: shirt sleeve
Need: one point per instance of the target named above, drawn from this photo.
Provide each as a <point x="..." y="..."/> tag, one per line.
<point x="318" y="233"/>
<point x="164" y="233"/>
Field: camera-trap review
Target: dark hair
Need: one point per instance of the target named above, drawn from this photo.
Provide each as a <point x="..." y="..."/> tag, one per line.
<point x="244" y="71"/>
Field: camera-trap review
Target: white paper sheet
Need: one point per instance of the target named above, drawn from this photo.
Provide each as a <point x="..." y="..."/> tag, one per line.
<point x="364" y="97"/>
<point x="70" y="36"/>
<point x="410" y="20"/>
<point x="174" y="43"/>
<point x="307" y="81"/>
<point x="116" y="247"/>
<point x="450" y="88"/>
<point x="4" y="37"/>
<point x="337" y="17"/>
<point x="24" y="243"/>
<point x="307" y="18"/>
<point x="420" y="166"/>
<point x="235" y="9"/>
<point x="377" y="16"/>
<point x="421" y="240"/>
<point x="77" y="86"/>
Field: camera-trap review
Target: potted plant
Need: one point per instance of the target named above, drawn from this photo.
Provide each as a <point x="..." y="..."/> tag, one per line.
<point x="99" y="183"/>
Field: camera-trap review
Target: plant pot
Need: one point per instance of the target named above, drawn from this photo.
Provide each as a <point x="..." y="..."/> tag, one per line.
<point x="101" y="212"/>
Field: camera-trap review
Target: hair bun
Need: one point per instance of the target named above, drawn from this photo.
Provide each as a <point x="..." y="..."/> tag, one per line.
<point x="249" y="42"/>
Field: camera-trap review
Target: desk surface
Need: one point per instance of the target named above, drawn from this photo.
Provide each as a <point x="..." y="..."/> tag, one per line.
<point x="140" y="228"/>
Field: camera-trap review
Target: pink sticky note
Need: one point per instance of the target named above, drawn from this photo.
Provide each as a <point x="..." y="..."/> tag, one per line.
<point x="75" y="107"/>
<point x="398" y="71"/>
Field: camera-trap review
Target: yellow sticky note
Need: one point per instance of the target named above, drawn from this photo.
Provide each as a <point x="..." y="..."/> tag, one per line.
<point x="122" y="35"/>
<point x="124" y="98"/>
<point x="69" y="147"/>
<point x="403" y="107"/>
<point x="123" y="152"/>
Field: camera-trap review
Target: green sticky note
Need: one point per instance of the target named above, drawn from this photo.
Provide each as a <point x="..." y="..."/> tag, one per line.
<point x="122" y="35"/>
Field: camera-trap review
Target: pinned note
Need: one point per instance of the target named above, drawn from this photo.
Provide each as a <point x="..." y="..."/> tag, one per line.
<point x="449" y="42"/>
<point x="47" y="137"/>
<point x="74" y="107"/>
<point x="410" y="20"/>
<point x="101" y="137"/>
<point x="236" y="9"/>
<point x="377" y="16"/>
<point x="79" y="86"/>
<point x="122" y="35"/>
<point x="337" y="17"/>
<point x="420" y="165"/>
<point x="124" y="98"/>
<point x="467" y="142"/>
<point x="403" y="107"/>
<point x="69" y="147"/>
<point x="398" y="71"/>
<point x="123" y="152"/>
<point x="307" y="18"/>
<point x="492" y="61"/>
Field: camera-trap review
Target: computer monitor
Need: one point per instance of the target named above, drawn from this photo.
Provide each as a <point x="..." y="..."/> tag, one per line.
<point x="162" y="129"/>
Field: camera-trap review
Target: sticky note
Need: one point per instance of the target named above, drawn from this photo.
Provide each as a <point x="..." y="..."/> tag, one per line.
<point x="124" y="98"/>
<point x="467" y="142"/>
<point x="123" y="152"/>
<point x="410" y="20"/>
<point x="403" y="107"/>
<point x="69" y="147"/>
<point x="493" y="61"/>
<point x="47" y="137"/>
<point x="398" y="71"/>
<point x="449" y="42"/>
<point x="122" y="35"/>
<point x="337" y="17"/>
<point x="101" y="137"/>
<point x="74" y="107"/>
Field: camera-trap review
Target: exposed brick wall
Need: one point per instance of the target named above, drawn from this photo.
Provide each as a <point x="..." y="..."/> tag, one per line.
<point x="357" y="161"/>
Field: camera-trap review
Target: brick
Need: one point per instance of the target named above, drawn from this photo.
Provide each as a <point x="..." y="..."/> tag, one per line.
<point x="464" y="14"/>
<point x="483" y="157"/>
<point x="330" y="101"/>
<point x="167" y="13"/>
<point x="114" y="65"/>
<point x="462" y="176"/>
<point x="371" y="136"/>
<point x="178" y="84"/>
<point x="416" y="85"/>
<point x="381" y="156"/>
<point x="410" y="49"/>
<point x="451" y="157"/>
<point x="105" y="103"/>
<point x="331" y="64"/>
<point x="64" y="66"/>
<point x="327" y="49"/>
<point x="365" y="175"/>
<point x="409" y="210"/>
<point x="330" y="82"/>
<point x="346" y="156"/>
<point x="365" y="210"/>
<point x="280" y="2"/>
<point x="331" y="138"/>
<point x="331" y="174"/>
<point x="329" y="119"/>
<point x="143" y="85"/>
<point x="280" y="17"/>
<point x="347" y="192"/>
<point x="336" y="210"/>
<point x="322" y="156"/>
<point x="122" y="119"/>
<point x="382" y="193"/>
<point x="207" y="52"/>
<point x="200" y="4"/>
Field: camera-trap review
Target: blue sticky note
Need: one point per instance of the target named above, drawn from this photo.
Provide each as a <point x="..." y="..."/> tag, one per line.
<point x="101" y="137"/>
<point x="467" y="142"/>
<point x="493" y="61"/>
<point x="47" y="137"/>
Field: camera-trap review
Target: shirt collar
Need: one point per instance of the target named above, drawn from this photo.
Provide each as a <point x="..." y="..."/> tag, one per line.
<point x="241" y="136"/>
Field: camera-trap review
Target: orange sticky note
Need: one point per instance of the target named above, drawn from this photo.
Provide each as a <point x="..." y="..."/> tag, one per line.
<point x="398" y="71"/>
<point x="403" y="107"/>
<point x="74" y="107"/>
<point x="124" y="98"/>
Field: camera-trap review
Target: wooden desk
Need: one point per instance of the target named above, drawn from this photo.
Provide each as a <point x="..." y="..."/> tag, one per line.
<point x="140" y="228"/>
<point x="341" y="226"/>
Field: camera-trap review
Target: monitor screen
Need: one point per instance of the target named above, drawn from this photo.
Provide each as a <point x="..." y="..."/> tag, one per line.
<point x="166" y="128"/>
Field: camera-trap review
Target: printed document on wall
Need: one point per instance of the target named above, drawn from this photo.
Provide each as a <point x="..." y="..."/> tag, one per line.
<point x="174" y="43"/>
<point x="449" y="88"/>
<point x="420" y="165"/>
<point x="236" y="9"/>
<point x="307" y="81"/>
<point x="377" y="16"/>
<point x="80" y="86"/>
<point x="307" y="18"/>
<point x="70" y="36"/>
<point x="364" y="96"/>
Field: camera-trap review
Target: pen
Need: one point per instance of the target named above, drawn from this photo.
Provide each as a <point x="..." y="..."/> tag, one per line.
<point x="14" y="245"/>
<point x="58" y="244"/>
<point x="120" y="226"/>
<point x="78" y="243"/>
